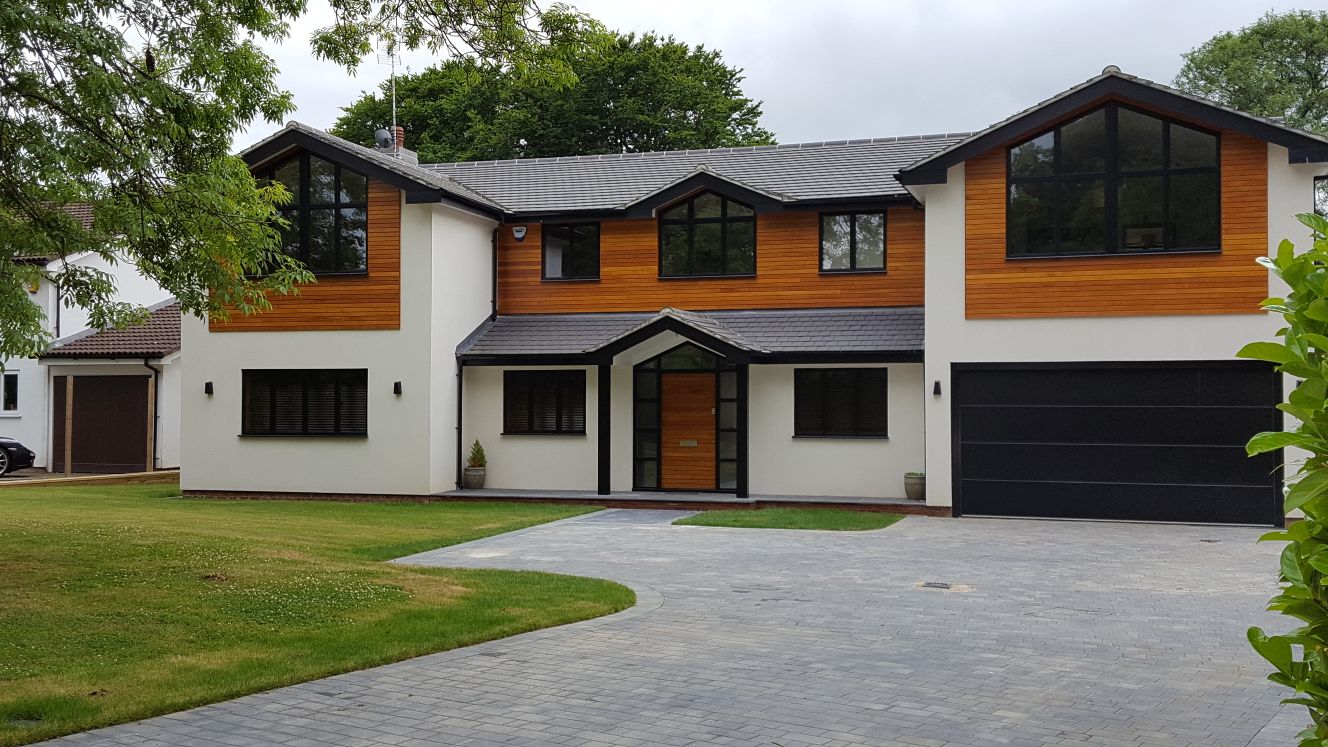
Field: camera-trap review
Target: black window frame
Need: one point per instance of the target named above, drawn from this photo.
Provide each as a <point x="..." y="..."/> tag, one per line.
<point x="571" y="245"/>
<point x="275" y="376"/>
<point x="304" y="208"/>
<point x="691" y="221"/>
<point x="1111" y="177"/>
<point x="1320" y="182"/>
<point x="9" y="392"/>
<point x="853" y="242"/>
<point x="806" y="377"/>
<point x="573" y="379"/>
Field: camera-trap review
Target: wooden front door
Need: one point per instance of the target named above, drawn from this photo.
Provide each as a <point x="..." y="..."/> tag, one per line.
<point x="687" y="431"/>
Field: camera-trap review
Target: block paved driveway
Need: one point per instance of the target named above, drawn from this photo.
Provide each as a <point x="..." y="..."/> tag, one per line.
<point x="1056" y="633"/>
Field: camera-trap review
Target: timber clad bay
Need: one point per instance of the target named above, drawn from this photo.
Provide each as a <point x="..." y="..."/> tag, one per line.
<point x="787" y="271"/>
<point x="1229" y="282"/>
<point x="368" y="301"/>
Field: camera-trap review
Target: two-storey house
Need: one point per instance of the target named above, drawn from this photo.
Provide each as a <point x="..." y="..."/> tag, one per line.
<point x="1040" y="315"/>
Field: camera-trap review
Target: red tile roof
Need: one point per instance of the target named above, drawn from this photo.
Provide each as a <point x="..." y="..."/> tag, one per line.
<point x="159" y="336"/>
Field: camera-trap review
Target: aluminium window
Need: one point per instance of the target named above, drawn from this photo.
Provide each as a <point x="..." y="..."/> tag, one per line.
<point x="305" y="402"/>
<point x="9" y="393"/>
<point x="707" y="236"/>
<point x="1321" y="195"/>
<point x="328" y="215"/>
<point x="570" y="251"/>
<point x="544" y="402"/>
<point x="853" y="242"/>
<point x="839" y="402"/>
<point x="1115" y="180"/>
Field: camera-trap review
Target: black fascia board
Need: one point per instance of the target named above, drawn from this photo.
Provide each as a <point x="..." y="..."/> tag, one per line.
<point x="295" y="139"/>
<point x="701" y="182"/>
<point x="669" y="324"/>
<point x="932" y="170"/>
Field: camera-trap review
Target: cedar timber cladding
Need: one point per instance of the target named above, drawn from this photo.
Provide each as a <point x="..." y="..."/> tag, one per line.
<point x="787" y="271"/>
<point x="1220" y="283"/>
<point x="344" y="302"/>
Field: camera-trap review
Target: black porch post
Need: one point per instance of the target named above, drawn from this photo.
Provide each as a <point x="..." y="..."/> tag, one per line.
<point x="742" y="430"/>
<point x="605" y="437"/>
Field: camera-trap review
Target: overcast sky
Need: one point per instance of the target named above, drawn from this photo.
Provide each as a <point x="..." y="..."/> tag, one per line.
<point x="837" y="69"/>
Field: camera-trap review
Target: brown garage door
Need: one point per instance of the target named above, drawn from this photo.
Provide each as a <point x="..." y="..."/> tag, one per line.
<point x="110" y="424"/>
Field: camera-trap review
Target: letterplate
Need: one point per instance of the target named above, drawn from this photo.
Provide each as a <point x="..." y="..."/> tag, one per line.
<point x="687" y="442"/>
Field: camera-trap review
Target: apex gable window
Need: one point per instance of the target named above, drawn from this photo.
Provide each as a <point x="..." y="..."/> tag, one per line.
<point x="329" y="215"/>
<point x="544" y="402"/>
<point x="305" y="402"/>
<point x="570" y="251"/>
<point x="853" y="242"/>
<point x="708" y="235"/>
<point x="839" y="402"/>
<point x="1115" y="180"/>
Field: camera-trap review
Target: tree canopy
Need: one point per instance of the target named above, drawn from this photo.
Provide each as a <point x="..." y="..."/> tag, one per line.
<point x="638" y="93"/>
<point x="1275" y="67"/>
<point x="129" y="108"/>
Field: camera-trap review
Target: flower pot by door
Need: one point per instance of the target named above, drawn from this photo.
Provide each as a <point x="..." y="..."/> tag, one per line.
<point x="915" y="488"/>
<point x="473" y="478"/>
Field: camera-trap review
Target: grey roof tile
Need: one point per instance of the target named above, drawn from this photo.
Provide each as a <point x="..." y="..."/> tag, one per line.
<point x="805" y="172"/>
<point x="897" y="329"/>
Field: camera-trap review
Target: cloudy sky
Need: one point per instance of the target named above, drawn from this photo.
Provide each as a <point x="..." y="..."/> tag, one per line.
<point x="837" y="69"/>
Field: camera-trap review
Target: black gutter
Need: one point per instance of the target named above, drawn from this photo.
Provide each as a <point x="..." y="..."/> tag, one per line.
<point x="156" y="411"/>
<point x="867" y="201"/>
<point x="597" y="357"/>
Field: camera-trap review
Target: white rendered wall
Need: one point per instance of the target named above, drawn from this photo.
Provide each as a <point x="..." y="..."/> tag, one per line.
<point x="400" y="454"/>
<point x="462" y="292"/>
<point x="530" y="462"/>
<point x="168" y="413"/>
<point x="850" y="467"/>
<point x="952" y="338"/>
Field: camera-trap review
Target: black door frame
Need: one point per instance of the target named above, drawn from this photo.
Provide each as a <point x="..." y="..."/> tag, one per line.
<point x="739" y="400"/>
<point x="1276" y="516"/>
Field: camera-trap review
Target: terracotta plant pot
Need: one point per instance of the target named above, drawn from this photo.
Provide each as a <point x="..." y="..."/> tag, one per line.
<point x="472" y="478"/>
<point x="915" y="487"/>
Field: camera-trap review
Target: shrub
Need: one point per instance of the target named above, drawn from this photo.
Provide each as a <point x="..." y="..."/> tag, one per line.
<point x="476" y="458"/>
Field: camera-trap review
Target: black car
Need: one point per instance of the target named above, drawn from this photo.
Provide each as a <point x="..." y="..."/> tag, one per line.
<point x="14" y="455"/>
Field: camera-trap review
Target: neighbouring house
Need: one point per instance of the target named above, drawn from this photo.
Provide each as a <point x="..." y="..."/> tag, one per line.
<point x="1040" y="315"/>
<point x="33" y="391"/>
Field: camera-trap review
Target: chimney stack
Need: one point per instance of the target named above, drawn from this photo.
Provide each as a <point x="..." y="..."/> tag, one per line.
<point x="401" y="137"/>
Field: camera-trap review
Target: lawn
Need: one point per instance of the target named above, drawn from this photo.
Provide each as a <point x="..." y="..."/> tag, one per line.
<point x="836" y="519"/>
<point x="118" y="603"/>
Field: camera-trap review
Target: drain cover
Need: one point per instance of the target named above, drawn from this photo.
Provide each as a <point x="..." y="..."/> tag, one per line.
<point x="935" y="585"/>
<point x="1209" y="540"/>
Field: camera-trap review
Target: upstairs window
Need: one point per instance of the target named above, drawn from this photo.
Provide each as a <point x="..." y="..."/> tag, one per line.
<point x="329" y="215"/>
<point x="853" y="242"/>
<point x="305" y="402"/>
<point x="1114" y="181"/>
<point x="544" y="402"/>
<point x="571" y="252"/>
<point x="707" y="236"/>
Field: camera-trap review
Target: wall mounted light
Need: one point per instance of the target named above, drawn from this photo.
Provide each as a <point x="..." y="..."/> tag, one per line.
<point x="207" y="388"/>
<point x="396" y="388"/>
<point x="936" y="388"/>
<point x="519" y="233"/>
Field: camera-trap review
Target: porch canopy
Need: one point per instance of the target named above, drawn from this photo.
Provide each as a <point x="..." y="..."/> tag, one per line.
<point x="761" y="336"/>
<point x="741" y="338"/>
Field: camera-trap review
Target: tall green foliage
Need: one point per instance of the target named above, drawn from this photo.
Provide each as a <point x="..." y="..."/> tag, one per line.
<point x="1276" y="66"/>
<point x="635" y="94"/>
<point x="129" y="107"/>
<point x="1300" y="657"/>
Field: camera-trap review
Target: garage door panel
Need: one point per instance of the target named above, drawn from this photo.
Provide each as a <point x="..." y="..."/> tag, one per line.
<point x="1208" y="465"/>
<point x="1137" y="502"/>
<point x="1160" y="441"/>
<point x="1121" y="425"/>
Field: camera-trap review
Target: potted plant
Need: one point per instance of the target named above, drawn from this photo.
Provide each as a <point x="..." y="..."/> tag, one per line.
<point x="473" y="476"/>
<point x="915" y="485"/>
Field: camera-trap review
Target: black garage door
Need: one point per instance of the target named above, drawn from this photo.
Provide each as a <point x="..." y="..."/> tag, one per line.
<point x="1155" y="441"/>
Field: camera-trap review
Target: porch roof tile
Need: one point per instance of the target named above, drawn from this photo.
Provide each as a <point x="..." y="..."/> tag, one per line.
<point x="776" y="331"/>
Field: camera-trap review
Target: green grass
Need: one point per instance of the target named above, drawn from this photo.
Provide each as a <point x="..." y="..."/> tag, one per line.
<point x="119" y="603"/>
<point x="835" y="519"/>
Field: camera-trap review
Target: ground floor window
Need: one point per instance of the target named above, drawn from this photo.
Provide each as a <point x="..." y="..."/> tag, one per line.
<point x="9" y="392"/>
<point x="305" y="402"/>
<point x="839" y="402"/>
<point x="544" y="402"/>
